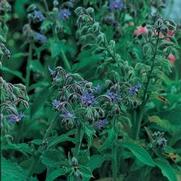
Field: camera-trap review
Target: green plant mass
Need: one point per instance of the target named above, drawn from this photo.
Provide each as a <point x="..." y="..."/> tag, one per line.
<point x="90" y="90"/>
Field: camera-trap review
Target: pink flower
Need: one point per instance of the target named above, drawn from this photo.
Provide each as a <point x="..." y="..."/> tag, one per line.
<point x="140" y="30"/>
<point x="170" y="33"/>
<point x="171" y="58"/>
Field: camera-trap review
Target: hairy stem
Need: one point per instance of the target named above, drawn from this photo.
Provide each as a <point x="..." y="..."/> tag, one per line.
<point x="65" y="60"/>
<point x="140" y="110"/>
<point x="36" y="156"/>
<point x="138" y="119"/>
<point x="79" y="142"/>
<point x="151" y="70"/>
<point x="33" y="165"/>
<point x="46" y="5"/>
<point x="28" y="70"/>
<point x="114" y="154"/>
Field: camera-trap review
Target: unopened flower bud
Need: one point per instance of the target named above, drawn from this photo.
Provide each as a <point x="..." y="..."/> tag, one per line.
<point x="74" y="162"/>
<point x="171" y="58"/>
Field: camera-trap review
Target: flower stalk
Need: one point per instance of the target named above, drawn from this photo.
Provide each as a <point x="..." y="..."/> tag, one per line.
<point x="138" y="115"/>
<point x="28" y="68"/>
<point x="114" y="154"/>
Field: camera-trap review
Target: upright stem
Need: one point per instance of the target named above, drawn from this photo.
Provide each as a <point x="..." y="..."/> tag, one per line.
<point x="151" y="70"/>
<point x="46" y="5"/>
<point x="36" y="157"/>
<point x="114" y="154"/>
<point x="28" y="70"/>
<point x="140" y="110"/>
<point x="33" y="165"/>
<point x="65" y="60"/>
<point x="138" y="120"/>
<point x="78" y="144"/>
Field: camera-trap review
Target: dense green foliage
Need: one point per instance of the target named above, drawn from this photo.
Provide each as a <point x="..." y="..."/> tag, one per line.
<point x="90" y="90"/>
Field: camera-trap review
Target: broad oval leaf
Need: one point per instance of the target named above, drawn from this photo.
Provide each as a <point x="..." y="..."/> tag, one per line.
<point x="22" y="147"/>
<point x="53" y="158"/>
<point x="62" y="138"/>
<point x="12" y="171"/>
<point x="166" y="169"/>
<point x="55" y="174"/>
<point x="95" y="162"/>
<point x="140" y="153"/>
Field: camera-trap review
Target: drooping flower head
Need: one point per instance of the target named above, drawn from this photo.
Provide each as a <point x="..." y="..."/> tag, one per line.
<point x="87" y="98"/>
<point x="113" y="96"/>
<point x="64" y="14"/>
<point x="97" y="88"/>
<point x="56" y="104"/>
<point x="171" y="33"/>
<point x="116" y="5"/>
<point x="5" y="6"/>
<point x="13" y="118"/>
<point x="55" y="3"/>
<point x="159" y="140"/>
<point x="101" y="123"/>
<point x="40" y="38"/>
<point x="167" y="36"/>
<point x="134" y="89"/>
<point x="36" y="16"/>
<point x="68" y="119"/>
<point x="110" y="20"/>
<point x="68" y="115"/>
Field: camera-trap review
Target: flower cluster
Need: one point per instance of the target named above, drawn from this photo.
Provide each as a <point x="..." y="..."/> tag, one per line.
<point x="74" y="93"/>
<point x="14" y="96"/>
<point x="35" y="16"/>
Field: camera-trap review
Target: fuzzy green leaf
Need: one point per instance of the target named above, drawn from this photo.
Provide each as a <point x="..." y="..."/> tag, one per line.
<point x="40" y="100"/>
<point x="22" y="147"/>
<point x="140" y="153"/>
<point x="95" y="161"/>
<point x="166" y="169"/>
<point x="11" y="171"/>
<point x="108" y="142"/>
<point x="55" y="174"/>
<point x="53" y="158"/>
<point x="12" y="72"/>
<point x="62" y="138"/>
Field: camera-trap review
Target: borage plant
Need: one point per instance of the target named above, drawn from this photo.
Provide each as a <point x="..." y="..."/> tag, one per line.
<point x="103" y="99"/>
